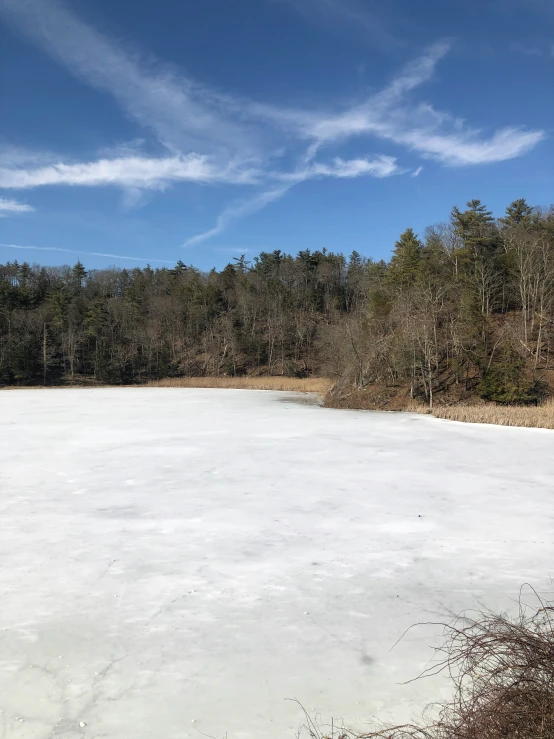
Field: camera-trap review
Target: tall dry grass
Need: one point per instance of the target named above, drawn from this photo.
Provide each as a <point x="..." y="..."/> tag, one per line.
<point x="290" y="384"/>
<point x="541" y="416"/>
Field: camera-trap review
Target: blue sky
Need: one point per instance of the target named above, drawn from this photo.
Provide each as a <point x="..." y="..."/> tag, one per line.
<point x="135" y="131"/>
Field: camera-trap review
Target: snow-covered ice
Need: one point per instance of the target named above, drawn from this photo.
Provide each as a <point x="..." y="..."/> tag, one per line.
<point x="178" y="562"/>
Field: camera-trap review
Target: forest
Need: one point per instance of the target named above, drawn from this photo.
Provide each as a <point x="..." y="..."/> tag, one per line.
<point x="464" y="310"/>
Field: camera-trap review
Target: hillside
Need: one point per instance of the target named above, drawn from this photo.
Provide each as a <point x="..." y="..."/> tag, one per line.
<point x="463" y="314"/>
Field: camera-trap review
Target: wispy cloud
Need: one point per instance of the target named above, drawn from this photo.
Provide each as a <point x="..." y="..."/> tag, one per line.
<point x="13" y="207"/>
<point x="381" y="166"/>
<point x="129" y="172"/>
<point x="417" y="172"/>
<point x="372" y="117"/>
<point x="467" y="147"/>
<point x="87" y="253"/>
<point x="136" y="173"/>
<point x="390" y="115"/>
<point x="212" y="137"/>
<point x="183" y="114"/>
<point x="238" y="210"/>
<point x="16" y="156"/>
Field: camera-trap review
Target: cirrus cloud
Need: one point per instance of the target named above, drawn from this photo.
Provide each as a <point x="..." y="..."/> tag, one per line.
<point x="214" y="137"/>
<point x="9" y="206"/>
<point x="134" y="171"/>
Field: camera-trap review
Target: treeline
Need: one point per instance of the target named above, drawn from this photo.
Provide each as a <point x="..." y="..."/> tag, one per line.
<point x="469" y="305"/>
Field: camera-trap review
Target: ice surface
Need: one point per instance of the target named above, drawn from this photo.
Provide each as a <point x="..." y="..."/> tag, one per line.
<point x="182" y="561"/>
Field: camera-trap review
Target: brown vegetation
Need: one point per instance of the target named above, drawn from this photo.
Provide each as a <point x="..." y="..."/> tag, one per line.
<point x="541" y="416"/>
<point x="469" y="410"/>
<point x="502" y="674"/>
<point x="291" y="384"/>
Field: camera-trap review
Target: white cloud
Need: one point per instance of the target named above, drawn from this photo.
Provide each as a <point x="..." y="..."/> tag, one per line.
<point x="15" y="156"/>
<point x="390" y="115"/>
<point x="137" y="173"/>
<point x="417" y="172"/>
<point x="467" y="148"/>
<point x="87" y="253"/>
<point x="433" y="134"/>
<point x="183" y="114"/>
<point x="215" y="138"/>
<point x="371" y="117"/>
<point x="239" y="210"/>
<point x="379" y="167"/>
<point x="451" y="146"/>
<point x="129" y="172"/>
<point x="13" y="207"/>
<point x="414" y="74"/>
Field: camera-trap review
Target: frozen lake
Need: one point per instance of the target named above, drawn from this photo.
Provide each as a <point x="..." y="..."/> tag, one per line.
<point x="182" y="561"/>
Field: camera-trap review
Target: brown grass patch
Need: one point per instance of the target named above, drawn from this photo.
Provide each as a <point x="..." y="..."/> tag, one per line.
<point x="541" y="416"/>
<point x="289" y="384"/>
<point x="382" y="398"/>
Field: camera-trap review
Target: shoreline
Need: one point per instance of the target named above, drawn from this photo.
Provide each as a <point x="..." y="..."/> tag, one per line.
<point x="518" y="416"/>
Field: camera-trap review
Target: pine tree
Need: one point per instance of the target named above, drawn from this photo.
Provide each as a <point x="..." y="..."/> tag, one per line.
<point x="78" y="273"/>
<point x="480" y="257"/>
<point x="517" y="212"/>
<point x="475" y="225"/>
<point x="355" y="261"/>
<point x="179" y="269"/>
<point x="406" y="259"/>
<point x="242" y="264"/>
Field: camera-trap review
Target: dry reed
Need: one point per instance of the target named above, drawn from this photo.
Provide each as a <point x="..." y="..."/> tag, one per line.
<point x="290" y="384"/>
<point x="541" y="416"/>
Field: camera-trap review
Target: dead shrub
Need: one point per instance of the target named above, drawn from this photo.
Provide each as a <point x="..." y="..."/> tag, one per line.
<point x="502" y="674"/>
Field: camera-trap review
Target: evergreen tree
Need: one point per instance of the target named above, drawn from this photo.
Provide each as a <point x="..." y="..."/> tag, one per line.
<point x="179" y="268"/>
<point x="475" y="226"/>
<point x="79" y="274"/>
<point x="406" y="259"/>
<point x="481" y="258"/>
<point x="517" y="212"/>
<point x="242" y="264"/>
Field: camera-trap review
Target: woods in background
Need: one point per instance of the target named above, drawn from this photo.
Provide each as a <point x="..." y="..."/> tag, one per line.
<point x="469" y="306"/>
